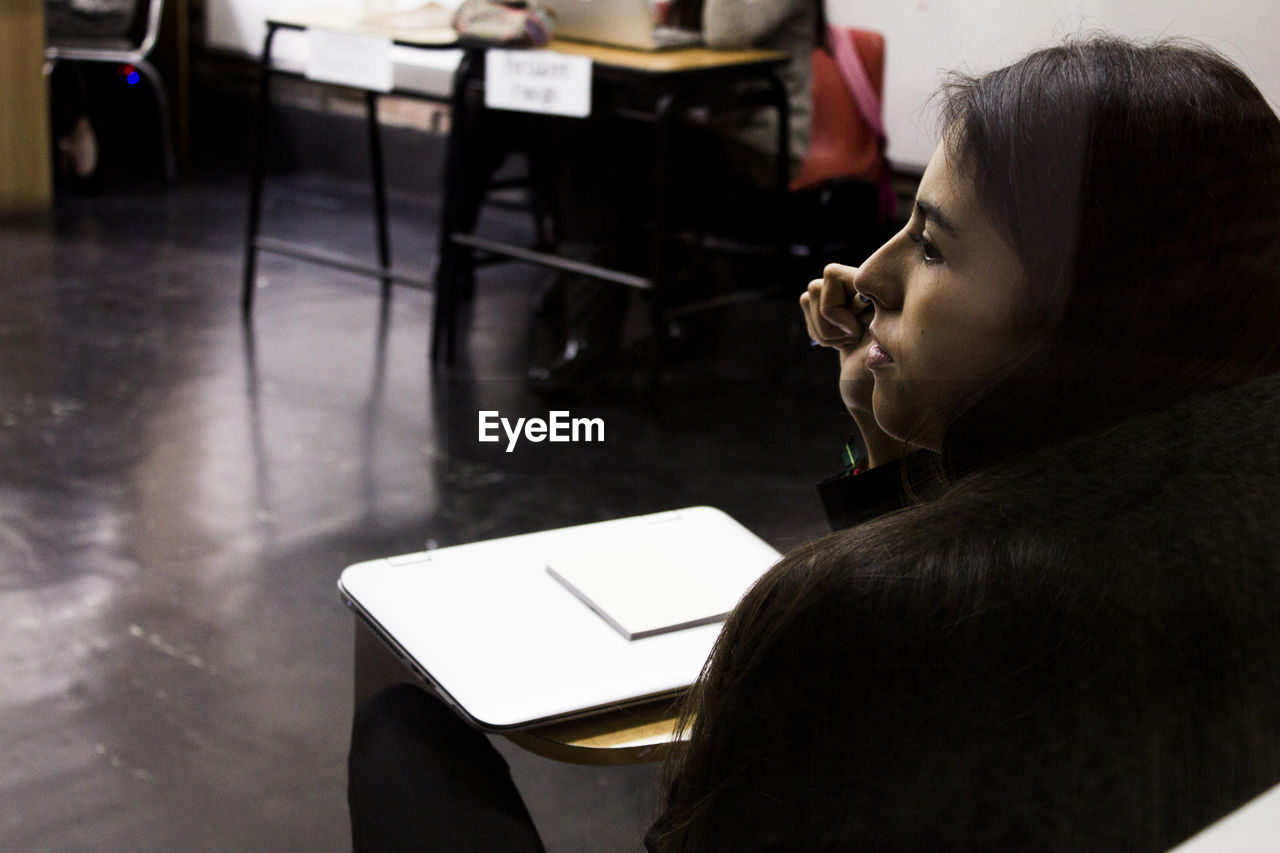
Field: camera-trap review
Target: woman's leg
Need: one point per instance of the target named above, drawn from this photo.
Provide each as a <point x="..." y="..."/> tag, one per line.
<point x="422" y="779"/>
<point x="603" y="198"/>
<point x="77" y="145"/>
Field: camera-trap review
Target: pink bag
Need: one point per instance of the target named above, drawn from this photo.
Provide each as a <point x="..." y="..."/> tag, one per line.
<point x="868" y="103"/>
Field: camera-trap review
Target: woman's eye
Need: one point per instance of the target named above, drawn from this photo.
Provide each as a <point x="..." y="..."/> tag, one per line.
<point x="928" y="252"/>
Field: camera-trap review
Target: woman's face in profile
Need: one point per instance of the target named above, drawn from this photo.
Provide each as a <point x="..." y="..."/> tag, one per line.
<point x="947" y="291"/>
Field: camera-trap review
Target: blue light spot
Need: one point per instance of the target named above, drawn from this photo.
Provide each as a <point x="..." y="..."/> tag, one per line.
<point x="133" y="78"/>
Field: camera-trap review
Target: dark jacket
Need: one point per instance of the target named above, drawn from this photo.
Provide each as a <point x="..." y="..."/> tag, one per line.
<point x="1074" y="649"/>
<point x="850" y="498"/>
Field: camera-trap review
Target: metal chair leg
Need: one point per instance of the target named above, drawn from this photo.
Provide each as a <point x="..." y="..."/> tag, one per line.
<point x="162" y="106"/>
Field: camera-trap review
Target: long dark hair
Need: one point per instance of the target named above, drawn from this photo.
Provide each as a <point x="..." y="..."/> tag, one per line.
<point x="1140" y="188"/>
<point x="964" y="675"/>
<point x="1044" y="657"/>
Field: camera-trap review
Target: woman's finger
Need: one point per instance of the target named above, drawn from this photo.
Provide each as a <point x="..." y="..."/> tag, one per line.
<point x="838" y="301"/>
<point x="821" y="330"/>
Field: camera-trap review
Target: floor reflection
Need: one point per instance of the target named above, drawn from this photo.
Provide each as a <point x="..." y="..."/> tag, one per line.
<point x="178" y="494"/>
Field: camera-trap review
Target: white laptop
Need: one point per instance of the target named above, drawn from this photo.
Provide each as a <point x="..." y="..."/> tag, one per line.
<point x="622" y="23"/>
<point x="544" y="627"/>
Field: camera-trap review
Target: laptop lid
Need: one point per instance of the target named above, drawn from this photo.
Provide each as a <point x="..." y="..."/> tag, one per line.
<point x="624" y="23"/>
<point x="512" y="646"/>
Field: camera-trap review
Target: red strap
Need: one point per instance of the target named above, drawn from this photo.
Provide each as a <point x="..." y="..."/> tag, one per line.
<point x="856" y="78"/>
<point x="868" y="103"/>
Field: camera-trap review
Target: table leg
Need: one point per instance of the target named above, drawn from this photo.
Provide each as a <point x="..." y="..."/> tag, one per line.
<point x="379" y="191"/>
<point x="659" y="274"/>
<point x="783" y="165"/>
<point x="258" y="177"/>
<point x="455" y="182"/>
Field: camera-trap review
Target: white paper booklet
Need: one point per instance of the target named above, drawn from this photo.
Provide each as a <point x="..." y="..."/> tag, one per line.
<point x="664" y="576"/>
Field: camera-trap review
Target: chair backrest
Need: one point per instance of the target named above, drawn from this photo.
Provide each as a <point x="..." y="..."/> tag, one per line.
<point x="842" y="144"/>
<point x="146" y="25"/>
<point x="135" y="21"/>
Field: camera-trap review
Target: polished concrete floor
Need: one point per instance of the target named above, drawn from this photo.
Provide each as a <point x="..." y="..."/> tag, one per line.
<point x="178" y="495"/>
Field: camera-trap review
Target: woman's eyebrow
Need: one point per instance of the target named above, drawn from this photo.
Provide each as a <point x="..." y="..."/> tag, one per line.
<point x="930" y="212"/>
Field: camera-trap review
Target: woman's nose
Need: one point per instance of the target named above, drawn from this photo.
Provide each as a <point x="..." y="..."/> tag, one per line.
<point x="879" y="277"/>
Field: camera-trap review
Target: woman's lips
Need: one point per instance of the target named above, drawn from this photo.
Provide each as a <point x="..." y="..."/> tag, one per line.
<point x="877" y="357"/>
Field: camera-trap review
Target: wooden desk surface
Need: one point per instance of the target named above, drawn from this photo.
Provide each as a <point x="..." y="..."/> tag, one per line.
<point x="426" y="28"/>
<point x="626" y="736"/>
<point x="666" y="61"/>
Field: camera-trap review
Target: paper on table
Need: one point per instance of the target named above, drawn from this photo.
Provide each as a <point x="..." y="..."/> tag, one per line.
<point x="350" y="60"/>
<point x="431" y="16"/>
<point x="669" y="580"/>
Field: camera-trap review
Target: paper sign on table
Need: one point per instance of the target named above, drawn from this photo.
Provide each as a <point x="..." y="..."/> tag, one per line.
<point x="350" y="60"/>
<point x="538" y="81"/>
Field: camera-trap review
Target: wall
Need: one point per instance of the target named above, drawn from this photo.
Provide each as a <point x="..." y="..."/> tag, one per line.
<point x="925" y="38"/>
<point x="237" y="26"/>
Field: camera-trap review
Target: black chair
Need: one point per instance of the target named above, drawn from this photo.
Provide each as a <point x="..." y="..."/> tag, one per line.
<point x="838" y="213"/>
<point x="132" y="48"/>
<point x="834" y="210"/>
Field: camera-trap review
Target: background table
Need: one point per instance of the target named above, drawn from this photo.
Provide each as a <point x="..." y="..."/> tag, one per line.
<point x="658" y="85"/>
<point x="650" y="86"/>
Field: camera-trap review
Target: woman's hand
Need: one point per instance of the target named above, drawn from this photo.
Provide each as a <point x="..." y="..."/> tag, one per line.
<point x="831" y="308"/>
<point x="837" y="317"/>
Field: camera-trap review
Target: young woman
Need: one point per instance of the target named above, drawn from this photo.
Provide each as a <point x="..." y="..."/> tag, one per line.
<point x="1071" y="641"/>
<point x="1074" y="644"/>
